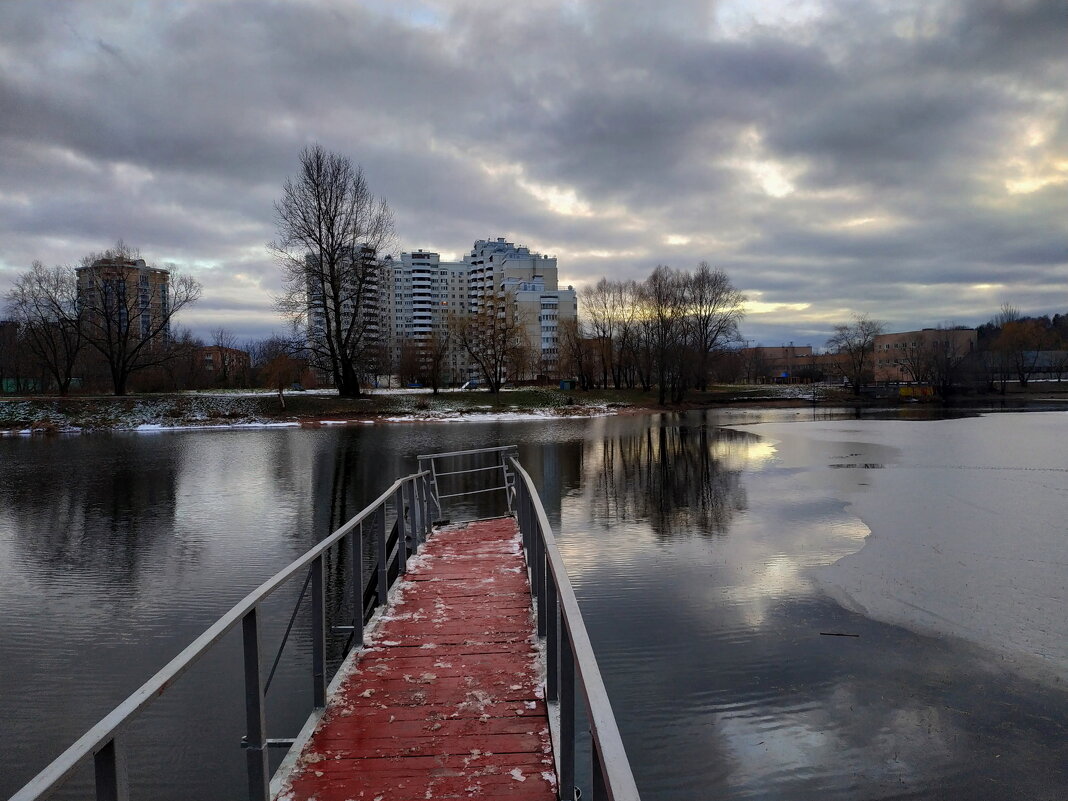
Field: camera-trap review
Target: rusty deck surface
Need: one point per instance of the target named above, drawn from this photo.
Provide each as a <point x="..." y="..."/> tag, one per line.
<point x="446" y="700"/>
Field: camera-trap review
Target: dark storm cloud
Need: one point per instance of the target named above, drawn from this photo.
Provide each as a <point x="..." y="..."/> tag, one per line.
<point x="861" y="157"/>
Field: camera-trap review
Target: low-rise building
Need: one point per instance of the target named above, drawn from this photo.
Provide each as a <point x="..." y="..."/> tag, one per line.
<point x="912" y="356"/>
<point x="224" y="364"/>
<point x="761" y="364"/>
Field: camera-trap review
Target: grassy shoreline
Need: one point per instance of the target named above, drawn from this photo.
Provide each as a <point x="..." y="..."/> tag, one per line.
<point x="249" y="408"/>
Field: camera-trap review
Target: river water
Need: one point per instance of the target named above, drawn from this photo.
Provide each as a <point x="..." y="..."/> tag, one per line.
<point x="721" y="560"/>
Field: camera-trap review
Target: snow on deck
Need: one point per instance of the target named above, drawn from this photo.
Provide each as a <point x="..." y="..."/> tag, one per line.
<point x="446" y="702"/>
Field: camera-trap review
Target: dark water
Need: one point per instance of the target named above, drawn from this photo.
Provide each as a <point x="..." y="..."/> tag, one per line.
<point x="690" y="546"/>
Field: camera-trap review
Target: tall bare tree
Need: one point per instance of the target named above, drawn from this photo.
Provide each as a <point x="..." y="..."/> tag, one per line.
<point x="275" y="363"/>
<point x="599" y="312"/>
<point x="127" y="309"/>
<point x="665" y="304"/>
<point x="713" y="308"/>
<point x="44" y="304"/>
<point x="577" y="353"/>
<point x="331" y="231"/>
<point x="855" y="344"/>
<point x="625" y="305"/>
<point x="493" y="338"/>
<point x="949" y="355"/>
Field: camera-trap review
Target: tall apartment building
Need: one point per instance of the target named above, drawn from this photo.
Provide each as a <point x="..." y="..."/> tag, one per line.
<point x="424" y="295"/>
<point x="125" y="292"/>
<point x="421" y="296"/>
<point x="500" y="270"/>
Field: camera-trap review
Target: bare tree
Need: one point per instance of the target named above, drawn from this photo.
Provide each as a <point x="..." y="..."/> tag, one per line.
<point x="577" y="353"/>
<point x="331" y="230"/>
<point x="1007" y="314"/>
<point x="597" y="305"/>
<point x="225" y="341"/>
<point x="410" y="363"/>
<point x="492" y="338"/>
<point x="1020" y="344"/>
<point x="436" y="350"/>
<point x="10" y="355"/>
<point x="276" y="364"/>
<point x="185" y="368"/>
<point x="127" y="308"/>
<point x="626" y="303"/>
<point x="948" y="356"/>
<point x="665" y="302"/>
<point x="855" y="344"/>
<point x="714" y="309"/>
<point x="915" y="360"/>
<point x="44" y="304"/>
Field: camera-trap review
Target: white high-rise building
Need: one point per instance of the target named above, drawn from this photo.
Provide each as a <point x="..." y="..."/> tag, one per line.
<point x="424" y="296"/>
<point x="499" y="270"/>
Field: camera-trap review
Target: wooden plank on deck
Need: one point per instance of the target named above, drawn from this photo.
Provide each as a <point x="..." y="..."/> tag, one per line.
<point x="445" y="702"/>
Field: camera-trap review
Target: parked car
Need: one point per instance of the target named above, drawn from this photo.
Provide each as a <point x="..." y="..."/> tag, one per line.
<point x="472" y="384"/>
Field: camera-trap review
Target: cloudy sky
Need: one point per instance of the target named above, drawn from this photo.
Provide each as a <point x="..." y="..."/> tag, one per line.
<point x="906" y="159"/>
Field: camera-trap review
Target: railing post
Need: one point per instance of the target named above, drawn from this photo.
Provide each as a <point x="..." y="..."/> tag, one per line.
<point x="424" y="505"/>
<point x="383" y="557"/>
<point x="504" y="478"/>
<point x="402" y="537"/>
<point x="318" y="632"/>
<point x="567" y="716"/>
<point x="259" y="775"/>
<point x="518" y="512"/>
<point x="434" y="493"/>
<point x="521" y="517"/>
<point x="552" y="638"/>
<point x="112" y="778"/>
<point x="543" y="591"/>
<point x="356" y="590"/>
<point x="532" y="553"/>
<point x="413" y="510"/>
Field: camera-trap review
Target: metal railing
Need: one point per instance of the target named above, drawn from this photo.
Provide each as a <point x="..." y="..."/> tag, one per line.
<point x="569" y="653"/>
<point x="491" y="460"/>
<point x="104" y="742"/>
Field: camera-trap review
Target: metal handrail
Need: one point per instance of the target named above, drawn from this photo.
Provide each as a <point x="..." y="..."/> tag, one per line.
<point x="101" y="740"/>
<point x="569" y="650"/>
<point x="428" y="462"/>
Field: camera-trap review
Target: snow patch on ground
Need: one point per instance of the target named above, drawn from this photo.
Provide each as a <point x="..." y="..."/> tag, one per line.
<point x="498" y="417"/>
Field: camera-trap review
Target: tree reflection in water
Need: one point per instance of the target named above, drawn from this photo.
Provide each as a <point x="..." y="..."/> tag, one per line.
<point x="682" y="480"/>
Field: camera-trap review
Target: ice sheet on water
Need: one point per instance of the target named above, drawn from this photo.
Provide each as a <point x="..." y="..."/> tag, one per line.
<point x="967" y="525"/>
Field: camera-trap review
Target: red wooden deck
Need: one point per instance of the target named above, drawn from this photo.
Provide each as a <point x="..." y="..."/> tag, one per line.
<point x="446" y="702"/>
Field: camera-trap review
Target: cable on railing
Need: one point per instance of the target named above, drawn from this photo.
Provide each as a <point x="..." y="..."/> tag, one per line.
<point x="285" y="637"/>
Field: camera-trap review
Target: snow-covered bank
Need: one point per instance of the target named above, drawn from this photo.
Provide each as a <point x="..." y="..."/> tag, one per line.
<point x="968" y="525"/>
<point x="239" y="412"/>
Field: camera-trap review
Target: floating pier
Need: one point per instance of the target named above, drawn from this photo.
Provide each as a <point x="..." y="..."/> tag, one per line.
<point x="446" y="700"/>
